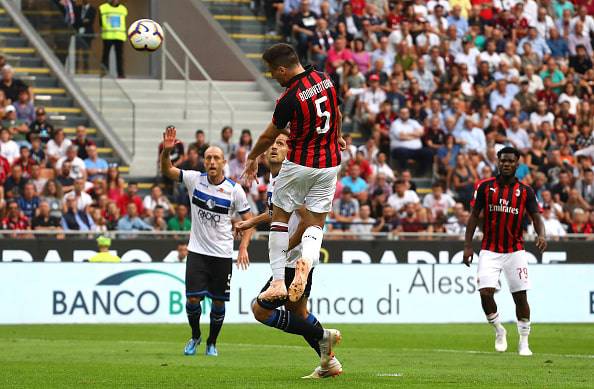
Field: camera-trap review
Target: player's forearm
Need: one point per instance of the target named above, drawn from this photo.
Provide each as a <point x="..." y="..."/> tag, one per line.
<point x="265" y="140"/>
<point x="538" y="225"/>
<point x="470" y="228"/>
<point x="167" y="168"/>
<point x="246" y="237"/>
<point x="261" y="218"/>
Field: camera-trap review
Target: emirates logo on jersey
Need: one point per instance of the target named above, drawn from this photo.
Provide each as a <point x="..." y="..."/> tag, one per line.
<point x="210" y="203"/>
<point x="518" y="192"/>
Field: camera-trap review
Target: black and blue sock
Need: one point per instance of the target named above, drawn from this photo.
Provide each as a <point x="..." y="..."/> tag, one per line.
<point x="217" y="316"/>
<point x="293" y="324"/>
<point x="311" y="341"/>
<point x="194" y="311"/>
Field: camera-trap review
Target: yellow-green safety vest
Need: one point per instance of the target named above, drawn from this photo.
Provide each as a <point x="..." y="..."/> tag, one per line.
<point x="113" y="22"/>
<point x="104" y="257"/>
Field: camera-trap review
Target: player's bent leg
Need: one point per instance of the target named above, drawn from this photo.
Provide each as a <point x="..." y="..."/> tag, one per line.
<point x="217" y="316"/>
<point x="193" y="310"/>
<point x="278" y="244"/>
<point x="490" y="309"/>
<point x="523" y="316"/>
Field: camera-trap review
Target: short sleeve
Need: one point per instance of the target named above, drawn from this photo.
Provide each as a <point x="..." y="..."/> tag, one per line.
<point x="531" y="204"/>
<point x="190" y="179"/>
<point x="283" y="112"/>
<point x="478" y="199"/>
<point x="240" y="203"/>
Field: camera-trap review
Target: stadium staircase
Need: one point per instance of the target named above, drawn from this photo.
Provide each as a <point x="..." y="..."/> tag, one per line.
<point x="28" y="66"/>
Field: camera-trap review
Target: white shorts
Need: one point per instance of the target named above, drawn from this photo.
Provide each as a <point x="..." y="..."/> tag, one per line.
<point x="295" y="183"/>
<point x="514" y="265"/>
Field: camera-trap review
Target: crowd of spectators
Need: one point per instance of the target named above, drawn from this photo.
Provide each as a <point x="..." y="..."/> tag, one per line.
<point x="435" y="88"/>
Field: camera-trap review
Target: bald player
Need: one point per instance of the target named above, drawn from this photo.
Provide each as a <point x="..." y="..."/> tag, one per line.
<point x="214" y="200"/>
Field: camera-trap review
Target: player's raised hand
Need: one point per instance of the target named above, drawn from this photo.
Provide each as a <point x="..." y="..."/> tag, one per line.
<point x="541" y="243"/>
<point x="468" y="254"/>
<point x="243" y="259"/>
<point x="342" y="143"/>
<point x="169" y="138"/>
<point x="250" y="172"/>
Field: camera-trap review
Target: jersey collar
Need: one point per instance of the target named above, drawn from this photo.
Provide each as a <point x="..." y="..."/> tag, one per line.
<point x="308" y="70"/>
<point x="500" y="181"/>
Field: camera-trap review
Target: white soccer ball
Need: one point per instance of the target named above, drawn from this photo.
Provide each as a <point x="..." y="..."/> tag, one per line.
<point x="145" y="35"/>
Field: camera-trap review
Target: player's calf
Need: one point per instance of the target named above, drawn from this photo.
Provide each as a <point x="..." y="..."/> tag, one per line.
<point x="312" y="243"/>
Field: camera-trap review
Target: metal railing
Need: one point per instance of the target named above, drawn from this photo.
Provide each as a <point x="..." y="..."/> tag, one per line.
<point x="189" y="58"/>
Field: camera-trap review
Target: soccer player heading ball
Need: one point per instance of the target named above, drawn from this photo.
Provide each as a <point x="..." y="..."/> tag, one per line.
<point x="504" y="201"/>
<point x="309" y="107"/>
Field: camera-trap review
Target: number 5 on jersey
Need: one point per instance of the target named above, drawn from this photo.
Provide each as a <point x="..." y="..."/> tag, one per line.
<point x="322" y="114"/>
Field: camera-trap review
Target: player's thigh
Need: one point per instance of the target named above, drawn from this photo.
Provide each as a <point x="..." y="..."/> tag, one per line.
<point x="197" y="275"/>
<point x="322" y="185"/>
<point x="221" y="270"/>
<point x="489" y="269"/>
<point x="516" y="271"/>
<point x="290" y="186"/>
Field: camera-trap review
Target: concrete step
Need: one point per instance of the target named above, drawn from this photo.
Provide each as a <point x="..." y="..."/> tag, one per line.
<point x="53" y="100"/>
<point x="243" y="27"/>
<point x="177" y="102"/>
<point x="193" y="113"/>
<point x="154" y="85"/>
<point x="13" y="41"/>
<point x="200" y="98"/>
<point x="26" y="62"/>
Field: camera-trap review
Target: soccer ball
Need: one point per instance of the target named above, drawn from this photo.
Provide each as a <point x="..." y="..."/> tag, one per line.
<point x="145" y="35"/>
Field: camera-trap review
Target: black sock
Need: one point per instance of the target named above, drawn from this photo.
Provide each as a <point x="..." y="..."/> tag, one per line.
<point x="293" y="324"/>
<point x="194" y="311"/>
<point x="217" y="316"/>
<point x="312" y="342"/>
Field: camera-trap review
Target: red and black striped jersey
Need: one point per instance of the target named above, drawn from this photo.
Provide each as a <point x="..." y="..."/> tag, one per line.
<point x="505" y="206"/>
<point x="309" y="106"/>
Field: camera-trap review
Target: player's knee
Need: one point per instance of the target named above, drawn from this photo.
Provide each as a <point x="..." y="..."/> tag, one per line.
<point x="487" y="292"/>
<point x="260" y="313"/>
<point x="194" y="300"/>
<point x="298" y="309"/>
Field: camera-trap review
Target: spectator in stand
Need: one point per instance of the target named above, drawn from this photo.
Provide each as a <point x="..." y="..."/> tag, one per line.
<point x="56" y="147"/>
<point x="82" y="142"/>
<point x="44" y="221"/>
<point x="388" y="221"/>
<point x="41" y="127"/>
<point x="402" y="196"/>
<point x="65" y="178"/>
<point x="10" y="85"/>
<point x="370" y="101"/>
<point x="353" y="181"/>
<point x="345" y="209"/>
<point x="245" y="140"/>
<point x="580" y="223"/>
<point x="337" y="55"/>
<point x="350" y="149"/>
<point x="552" y="226"/>
<point x="405" y="142"/>
<point x="157" y="199"/>
<point x="199" y="143"/>
<point x="9" y="149"/>
<point x="74" y="219"/>
<point x="157" y="221"/>
<point x="193" y="161"/>
<point x="36" y="179"/>
<point x="438" y="202"/>
<point x="25" y="161"/>
<point x="365" y="171"/>
<point x="578" y="38"/>
<point x="226" y="144"/>
<point x="585" y="186"/>
<point x="463" y="178"/>
<point x="380" y="166"/>
<point x="363" y="224"/>
<point x="28" y="202"/>
<point x="181" y="221"/>
<point x="52" y="193"/>
<point x="131" y="221"/>
<point x="237" y="164"/>
<point x="4" y="169"/>
<point x="131" y="196"/>
<point x="580" y="62"/>
<point x="14" y="219"/>
<point x="304" y="25"/>
<point x="360" y="56"/>
<point x="82" y="198"/>
<point x="24" y="107"/>
<point x="37" y="152"/>
<point x="95" y="166"/>
<point x="17" y="127"/>
<point x="15" y="183"/>
<point x="319" y="44"/>
<point x="77" y="166"/>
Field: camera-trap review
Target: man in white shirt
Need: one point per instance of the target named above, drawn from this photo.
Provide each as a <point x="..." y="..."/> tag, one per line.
<point x="553" y="227"/>
<point x="381" y="167"/>
<point x="541" y="115"/>
<point x="518" y="136"/>
<point x="438" y="202"/>
<point x="83" y="199"/>
<point x="402" y="196"/>
<point x="490" y="56"/>
<point x="405" y="142"/>
<point x="363" y="224"/>
<point x="587" y="22"/>
<point x="371" y="100"/>
<point x="472" y="138"/>
<point x="56" y="147"/>
<point x="9" y="149"/>
<point x="468" y="56"/>
<point x="79" y="169"/>
<point x="544" y="23"/>
<point x="384" y="53"/>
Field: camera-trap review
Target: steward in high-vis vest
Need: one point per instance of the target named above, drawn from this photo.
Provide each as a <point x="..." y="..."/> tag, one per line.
<point x="113" y="32"/>
<point x="104" y="256"/>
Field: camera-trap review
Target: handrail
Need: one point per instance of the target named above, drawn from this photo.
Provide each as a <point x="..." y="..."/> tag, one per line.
<point x="185" y="72"/>
<point x="71" y="86"/>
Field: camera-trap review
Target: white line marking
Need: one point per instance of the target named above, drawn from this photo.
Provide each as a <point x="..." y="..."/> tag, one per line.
<point x="440" y="350"/>
<point x="388" y="375"/>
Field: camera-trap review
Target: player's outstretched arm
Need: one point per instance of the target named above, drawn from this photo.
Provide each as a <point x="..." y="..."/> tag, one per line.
<point x="253" y="222"/>
<point x="265" y="140"/>
<point x="470" y="228"/>
<point x="167" y="168"/>
<point x="539" y="227"/>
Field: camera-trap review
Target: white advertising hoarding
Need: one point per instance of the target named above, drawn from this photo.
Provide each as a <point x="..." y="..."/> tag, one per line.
<point x="153" y="293"/>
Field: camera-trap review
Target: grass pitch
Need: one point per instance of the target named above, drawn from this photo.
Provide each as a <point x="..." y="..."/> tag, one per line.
<point x="254" y="356"/>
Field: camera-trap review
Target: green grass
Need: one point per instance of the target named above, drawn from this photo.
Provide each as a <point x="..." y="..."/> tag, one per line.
<point x="254" y="356"/>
